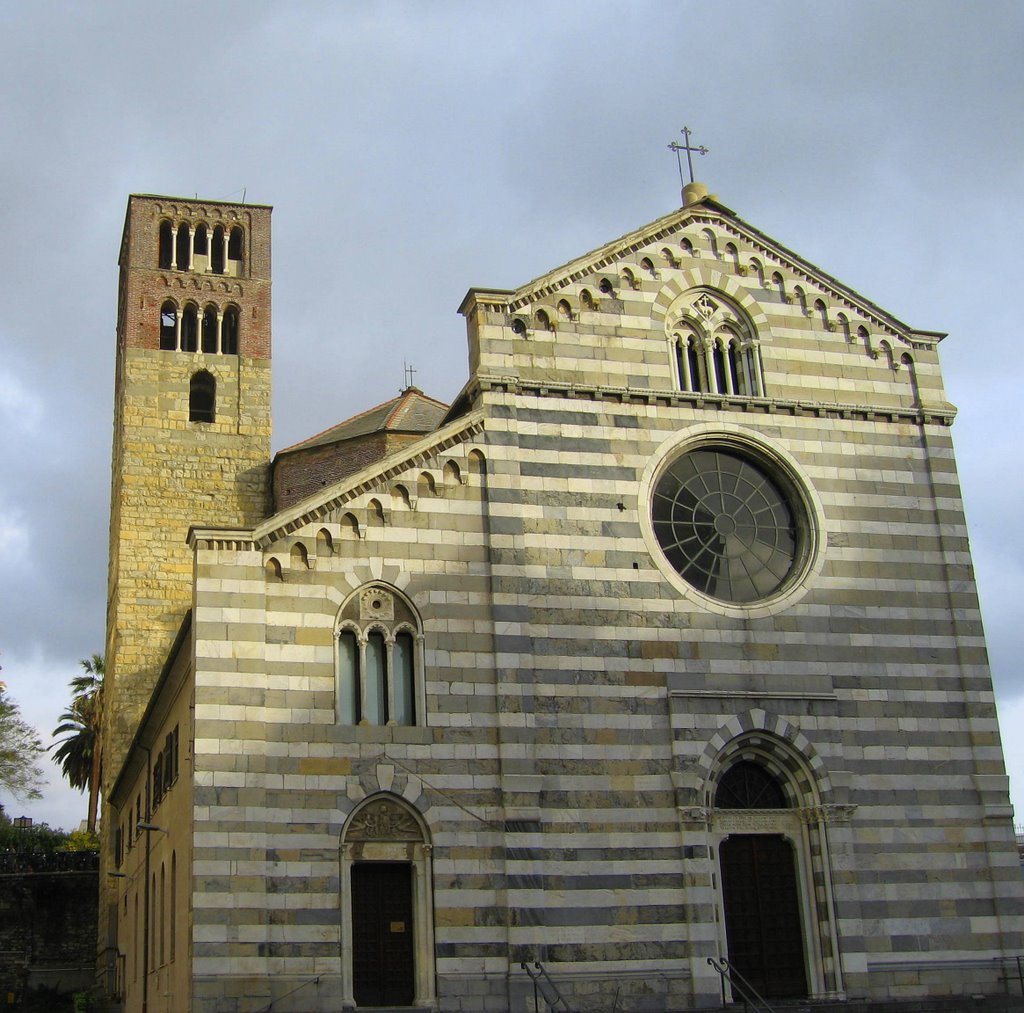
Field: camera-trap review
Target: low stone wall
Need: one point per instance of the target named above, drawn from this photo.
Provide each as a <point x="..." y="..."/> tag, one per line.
<point x="48" y="916"/>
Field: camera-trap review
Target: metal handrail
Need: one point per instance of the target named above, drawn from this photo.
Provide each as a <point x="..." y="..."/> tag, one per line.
<point x="740" y="985"/>
<point x="543" y="984"/>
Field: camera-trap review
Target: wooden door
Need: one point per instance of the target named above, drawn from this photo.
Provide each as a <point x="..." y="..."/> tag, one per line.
<point x="762" y="913"/>
<point x="383" y="972"/>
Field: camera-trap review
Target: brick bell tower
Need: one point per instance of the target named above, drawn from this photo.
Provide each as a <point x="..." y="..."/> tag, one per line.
<point x="191" y="423"/>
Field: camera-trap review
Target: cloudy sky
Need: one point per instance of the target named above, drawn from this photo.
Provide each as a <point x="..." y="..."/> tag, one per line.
<point x="412" y="150"/>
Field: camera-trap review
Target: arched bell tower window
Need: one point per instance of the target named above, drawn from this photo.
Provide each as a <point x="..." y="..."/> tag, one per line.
<point x="235" y="244"/>
<point x="229" y="331"/>
<point x="217" y="255"/>
<point x="166" y="254"/>
<point x="190" y="328"/>
<point x="168" y="326"/>
<point x="182" y="248"/>
<point x="202" y="397"/>
<point x="210" y="330"/>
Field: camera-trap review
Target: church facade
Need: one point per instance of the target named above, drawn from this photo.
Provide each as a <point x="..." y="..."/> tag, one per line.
<point x="660" y="644"/>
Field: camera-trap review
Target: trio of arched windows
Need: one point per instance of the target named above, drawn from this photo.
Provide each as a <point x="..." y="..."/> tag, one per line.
<point x="185" y="246"/>
<point x="723" y="364"/>
<point x="214" y="331"/>
<point x="715" y="349"/>
<point x="379" y="660"/>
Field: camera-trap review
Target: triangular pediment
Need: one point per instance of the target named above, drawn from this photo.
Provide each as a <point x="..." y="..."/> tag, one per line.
<point x="678" y="237"/>
<point x="699" y="303"/>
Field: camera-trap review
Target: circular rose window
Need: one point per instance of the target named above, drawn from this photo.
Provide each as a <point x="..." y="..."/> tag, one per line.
<point x="726" y="524"/>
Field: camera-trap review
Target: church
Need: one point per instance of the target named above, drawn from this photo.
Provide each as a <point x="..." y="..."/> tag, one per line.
<point x="648" y="674"/>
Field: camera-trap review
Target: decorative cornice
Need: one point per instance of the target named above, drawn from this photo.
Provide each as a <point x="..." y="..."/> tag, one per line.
<point x="411" y="455"/>
<point x="707" y="816"/>
<point x="678" y="221"/>
<point x="923" y="415"/>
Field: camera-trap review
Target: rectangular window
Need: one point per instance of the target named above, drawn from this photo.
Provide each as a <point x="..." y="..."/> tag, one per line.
<point x="158" y="779"/>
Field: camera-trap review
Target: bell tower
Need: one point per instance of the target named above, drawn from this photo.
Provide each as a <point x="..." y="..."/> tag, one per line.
<point x="191" y="423"/>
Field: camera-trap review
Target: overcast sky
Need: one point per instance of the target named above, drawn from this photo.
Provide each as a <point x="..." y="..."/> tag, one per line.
<point x="412" y="150"/>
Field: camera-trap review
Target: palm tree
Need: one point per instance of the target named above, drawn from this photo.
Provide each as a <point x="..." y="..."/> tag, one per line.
<point x="80" y="753"/>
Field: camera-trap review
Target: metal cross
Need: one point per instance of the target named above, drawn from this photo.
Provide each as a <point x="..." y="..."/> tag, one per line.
<point x="408" y="374"/>
<point x="689" y="149"/>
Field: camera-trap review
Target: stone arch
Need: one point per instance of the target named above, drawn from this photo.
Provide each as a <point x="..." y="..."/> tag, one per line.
<point x="782" y="746"/>
<point x="758" y="269"/>
<point x="780" y="284"/>
<point x="384" y="834"/>
<point x="324" y="543"/>
<point x="452" y="473"/>
<point x="821" y="308"/>
<point x="426" y="485"/>
<point x="400" y="496"/>
<point x="800" y="828"/>
<point x="708" y="277"/>
<point x="299" y="557"/>
<point x="375" y="516"/>
<point x="712" y="240"/>
<point x="477" y="462"/>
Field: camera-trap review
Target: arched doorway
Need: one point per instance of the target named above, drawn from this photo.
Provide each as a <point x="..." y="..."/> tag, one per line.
<point x="387" y="908"/>
<point x="760" y="892"/>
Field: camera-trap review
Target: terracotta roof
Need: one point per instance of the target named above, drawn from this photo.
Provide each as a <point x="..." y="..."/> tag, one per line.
<point x="411" y="412"/>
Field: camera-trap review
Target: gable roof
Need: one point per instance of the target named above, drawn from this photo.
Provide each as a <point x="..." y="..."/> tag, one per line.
<point x="709" y="210"/>
<point x="411" y="412"/>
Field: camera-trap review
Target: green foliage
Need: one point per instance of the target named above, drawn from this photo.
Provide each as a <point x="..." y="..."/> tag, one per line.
<point x="81" y="840"/>
<point x="37" y="838"/>
<point x="20" y="748"/>
<point x="79" y="753"/>
<point x="83" y="1002"/>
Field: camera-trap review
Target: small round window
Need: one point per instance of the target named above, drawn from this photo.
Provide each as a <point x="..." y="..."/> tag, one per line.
<point x="727" y="525"/>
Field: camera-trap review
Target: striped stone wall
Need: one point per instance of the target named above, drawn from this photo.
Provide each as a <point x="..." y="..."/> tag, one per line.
<point x="579" y="702"/>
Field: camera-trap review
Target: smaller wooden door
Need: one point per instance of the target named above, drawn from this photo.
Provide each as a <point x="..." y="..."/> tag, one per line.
<point x="762" y="913"/>
<point x="383" y="971"/>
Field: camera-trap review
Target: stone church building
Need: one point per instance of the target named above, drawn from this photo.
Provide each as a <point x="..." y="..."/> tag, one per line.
<point x="659" y="644"/>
